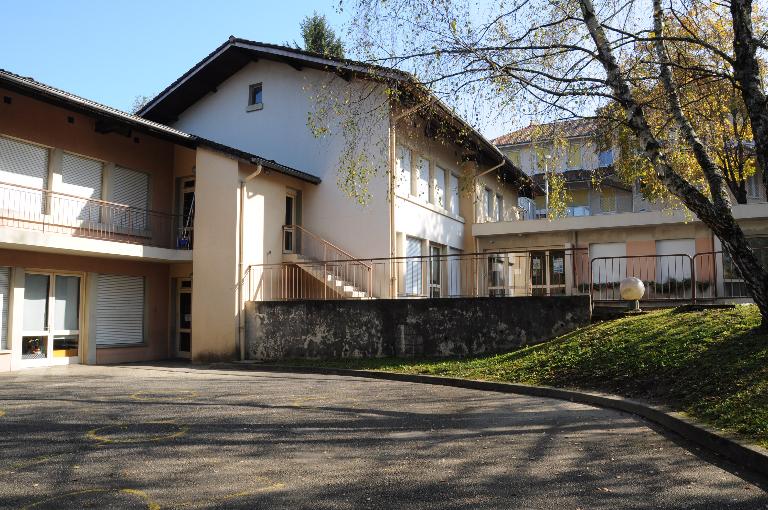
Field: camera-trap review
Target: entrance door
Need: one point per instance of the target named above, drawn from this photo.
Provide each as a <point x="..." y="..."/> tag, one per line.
<point x="290" y="219"/>
<point x="548" y="273"/>
<point x="184" y="318"/>
<point x="51" y="321"/>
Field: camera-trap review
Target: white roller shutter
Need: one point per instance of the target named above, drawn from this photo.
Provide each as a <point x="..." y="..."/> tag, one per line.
<point x="674" y="264"/>
<point x="131" y="188"/>
<point x="413" y="278"/>
<point x="22" y="164"/>
<point x="4" y="277"/>
<point x="611" y="266"/>
<point x="119" y="310"/>
<point x="80" y="177"/>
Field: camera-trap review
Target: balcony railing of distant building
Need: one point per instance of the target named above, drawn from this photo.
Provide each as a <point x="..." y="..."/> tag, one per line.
<point x="48" y="211"/>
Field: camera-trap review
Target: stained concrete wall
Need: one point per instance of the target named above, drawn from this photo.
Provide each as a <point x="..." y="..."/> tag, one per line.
<point x="424" y="327"/>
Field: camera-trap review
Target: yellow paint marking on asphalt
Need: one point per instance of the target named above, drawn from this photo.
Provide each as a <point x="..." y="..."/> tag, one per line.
<point x="151" y="505"/>
<point x="96" y="434"/>
<point x="2" y="413"/>
<point x="228" y="497"/>
<point x="151" y="396"/>
<point x="33" y="462"/>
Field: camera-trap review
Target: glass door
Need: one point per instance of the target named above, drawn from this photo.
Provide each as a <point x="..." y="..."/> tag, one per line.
<point x="434" y="271"/>
<point x="51" y="321"/>
<point x="187" y="214"/>
<point x="548" y="273"/>
<point x="184" y="319"/>
<point x="290" y="220"/>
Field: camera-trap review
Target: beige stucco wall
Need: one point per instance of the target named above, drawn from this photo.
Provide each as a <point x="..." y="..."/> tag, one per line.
<point x="264" y="215"/>
<point x="214" y="265"/>
<point x="280" y="132"/>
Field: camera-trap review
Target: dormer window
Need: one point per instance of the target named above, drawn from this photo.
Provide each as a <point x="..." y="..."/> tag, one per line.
<point x="255" y="97"/>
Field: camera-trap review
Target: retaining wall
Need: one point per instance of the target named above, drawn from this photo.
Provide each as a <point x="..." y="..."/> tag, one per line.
<point x="406" y="327"/>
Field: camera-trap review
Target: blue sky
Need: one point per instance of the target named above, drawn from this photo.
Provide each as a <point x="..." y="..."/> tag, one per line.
<point x="113" y="51"/>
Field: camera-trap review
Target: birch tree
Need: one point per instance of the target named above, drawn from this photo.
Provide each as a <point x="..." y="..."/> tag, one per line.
<point x="568" y="58"/>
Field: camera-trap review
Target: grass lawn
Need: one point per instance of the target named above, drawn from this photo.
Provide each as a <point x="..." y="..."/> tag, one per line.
<point x="711" y="364"/>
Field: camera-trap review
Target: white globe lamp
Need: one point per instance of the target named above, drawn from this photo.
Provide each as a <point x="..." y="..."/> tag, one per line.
<point x="632" y="289"/>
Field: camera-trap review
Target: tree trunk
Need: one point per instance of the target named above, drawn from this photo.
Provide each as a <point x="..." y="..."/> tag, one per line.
<point x="738" y="189"/>
<point x="746" y="70"/>
<point x="718" y="215"/>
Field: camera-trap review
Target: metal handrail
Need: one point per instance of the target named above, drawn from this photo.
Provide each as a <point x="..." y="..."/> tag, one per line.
<point x="325" y="242"/>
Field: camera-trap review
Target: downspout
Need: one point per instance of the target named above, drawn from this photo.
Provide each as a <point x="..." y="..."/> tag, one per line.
<point x="392" y="233"/>
<point x="240" y="275"/>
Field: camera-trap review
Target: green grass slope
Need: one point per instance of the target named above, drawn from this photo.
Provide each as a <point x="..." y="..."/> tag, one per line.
<point x="712" y="365"/>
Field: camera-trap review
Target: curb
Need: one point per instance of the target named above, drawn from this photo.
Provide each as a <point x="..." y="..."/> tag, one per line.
<point x="747" y="456"/>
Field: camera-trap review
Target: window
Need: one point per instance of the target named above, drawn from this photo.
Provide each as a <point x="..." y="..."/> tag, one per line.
<point x="130" y="188"/>
<point x="454" y="272"/>
<point x="499" y="207"/>
<point x="255" y="97"/>
<point x="23" y="164"/>
<point x="413" y="264"/>
<point x="605" y="158"/>
<point x="672" y="262"/>
<point x="439" y="194"/>
<point x="404" y="174"/>
<point x="51" y="321"/>
<point x="753" y="186"/>
<point x="453" y="184"/>
<point x="488" y="203"/>
<point x="434" y="271"/>
<point x="574" y="155"/>
<point x="119" y="310"/>
<point x="608" y="201"/>
<point x="514" y="156"/>
<point x="80" y="177"/>
<point x="422" y="188"/>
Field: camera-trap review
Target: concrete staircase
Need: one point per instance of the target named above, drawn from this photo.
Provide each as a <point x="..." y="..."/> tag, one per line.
<point x="325" y="274"/>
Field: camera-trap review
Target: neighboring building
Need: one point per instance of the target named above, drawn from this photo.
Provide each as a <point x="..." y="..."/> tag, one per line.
<point x="610" y="221"/>
<point x="117" y="230"/>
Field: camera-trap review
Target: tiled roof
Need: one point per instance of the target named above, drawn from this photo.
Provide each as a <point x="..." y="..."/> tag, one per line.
<point x="30" y="86"/>
<point x="543" y="132"/>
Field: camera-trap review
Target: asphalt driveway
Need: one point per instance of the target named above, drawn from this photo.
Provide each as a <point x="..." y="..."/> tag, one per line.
<point x="175" y="437"/>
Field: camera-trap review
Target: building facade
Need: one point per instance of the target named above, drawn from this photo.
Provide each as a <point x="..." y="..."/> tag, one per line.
<point x="610" y="230"/>
<point x="104" y="219"/>
<point x="133" y="238"/>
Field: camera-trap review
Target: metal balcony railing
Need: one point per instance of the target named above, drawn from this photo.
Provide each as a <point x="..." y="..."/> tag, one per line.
<point x="42" y="210"/>
<point x="457" y="275"/>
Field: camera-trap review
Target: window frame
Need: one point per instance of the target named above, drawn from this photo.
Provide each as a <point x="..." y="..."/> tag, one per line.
<point x="252" y="104"/>
<point x="454" y="204"/>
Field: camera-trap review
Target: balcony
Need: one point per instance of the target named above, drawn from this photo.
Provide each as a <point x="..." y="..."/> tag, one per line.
<point x="52" y="218"/>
